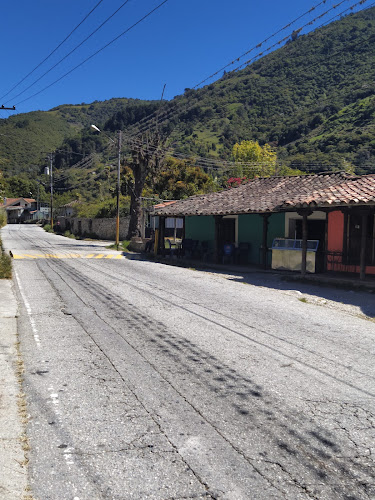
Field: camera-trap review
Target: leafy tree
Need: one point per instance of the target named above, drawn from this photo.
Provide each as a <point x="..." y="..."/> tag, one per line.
<point x="21" y="186"/>
<point x="178" y="179"/>
<point x="146" y="157"/>
<point x="2" y="184"/>
<point x="263" y="158"/>
<point x="104" y="209"/>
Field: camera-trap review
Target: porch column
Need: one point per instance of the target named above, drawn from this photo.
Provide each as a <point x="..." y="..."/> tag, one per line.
<point x="143" y="223"/>
<point x="304" y="244"/>
<point x="345" y="238"/>
<point x="362" y="262"/>
<point x="264" y="247"/>
<point x="305" y="214"/>
<point x="218" y="219"/>
<point x="161" y="235"/>
<point x="183" y="227"/>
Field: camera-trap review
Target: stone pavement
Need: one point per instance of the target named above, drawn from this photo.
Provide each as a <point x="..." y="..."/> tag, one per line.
<point x="13" y="468"/>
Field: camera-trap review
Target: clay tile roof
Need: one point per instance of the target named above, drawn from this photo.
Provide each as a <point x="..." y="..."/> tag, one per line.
<point x="271" y="194"/>
<point x="164" y="204"/>
<point x="356" y="191"/>
<point x="71" y="204"/>
<point x="10" y="201"/>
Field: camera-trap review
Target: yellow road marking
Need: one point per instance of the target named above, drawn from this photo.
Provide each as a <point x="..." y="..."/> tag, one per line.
<point x="100" y="256"/>
<point x="90" y="256"/>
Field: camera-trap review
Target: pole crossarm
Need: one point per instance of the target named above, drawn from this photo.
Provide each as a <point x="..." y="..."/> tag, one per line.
<point x="13" y="108"/>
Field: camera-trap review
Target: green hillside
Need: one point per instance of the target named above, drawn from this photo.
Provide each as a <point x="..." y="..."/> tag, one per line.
<point x="26" y="138"/>
<point x="313" y="100"/>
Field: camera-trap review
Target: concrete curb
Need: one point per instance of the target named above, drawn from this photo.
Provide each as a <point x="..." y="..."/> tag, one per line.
<point x="315" y="279"/>
<point x="13" y="464"/>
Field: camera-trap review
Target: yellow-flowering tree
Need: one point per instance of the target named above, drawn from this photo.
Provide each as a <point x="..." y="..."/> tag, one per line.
<point x="262" y="159"/>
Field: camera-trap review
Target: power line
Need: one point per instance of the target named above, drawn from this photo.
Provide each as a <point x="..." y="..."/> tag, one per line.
<point x="156" y="118"/>
<point x="54" y="50"/>
<point x="72" y="51"/>
<point x="157" y="113"/>
<point x="97" y="52"/>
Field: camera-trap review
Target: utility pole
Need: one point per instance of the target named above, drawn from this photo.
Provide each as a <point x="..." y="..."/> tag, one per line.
<point x="118" y="189"/>
<point x="51" y="186"/>
<point x="37" y="199"/>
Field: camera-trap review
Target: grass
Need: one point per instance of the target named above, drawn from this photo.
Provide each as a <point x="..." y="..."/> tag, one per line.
<point x="303" y="299"/>
<point x="23" y="414"/>
<point x="5" y="264"/>
<point x="123" y="246"/>
<point x="3" y="218"/>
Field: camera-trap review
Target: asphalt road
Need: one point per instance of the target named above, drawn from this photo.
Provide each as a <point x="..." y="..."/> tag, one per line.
<point x="146" y="381"/>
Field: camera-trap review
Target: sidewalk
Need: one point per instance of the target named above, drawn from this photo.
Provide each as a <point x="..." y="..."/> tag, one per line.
<point x="339" y="280"/>
<point x="13" y="468"/>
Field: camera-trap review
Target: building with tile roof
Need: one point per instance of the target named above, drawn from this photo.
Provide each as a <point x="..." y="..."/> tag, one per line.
<point x="19" y="209"/>
<point x="336" y="209"/>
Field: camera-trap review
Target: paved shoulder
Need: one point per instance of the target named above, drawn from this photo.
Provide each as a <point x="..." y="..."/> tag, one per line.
<point x="13" y="470"/>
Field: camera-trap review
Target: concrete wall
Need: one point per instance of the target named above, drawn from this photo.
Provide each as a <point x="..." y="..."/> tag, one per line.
<point x="104" y="229"/>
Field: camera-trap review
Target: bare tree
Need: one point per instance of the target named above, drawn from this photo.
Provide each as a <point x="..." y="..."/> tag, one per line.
<point x="146" y="157"/>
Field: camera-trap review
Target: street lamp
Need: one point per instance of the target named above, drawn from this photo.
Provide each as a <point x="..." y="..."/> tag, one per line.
<point x="94" y="127"/>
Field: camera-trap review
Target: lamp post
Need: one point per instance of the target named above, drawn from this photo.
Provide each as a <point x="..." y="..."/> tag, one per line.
<point x="94" y="127"/>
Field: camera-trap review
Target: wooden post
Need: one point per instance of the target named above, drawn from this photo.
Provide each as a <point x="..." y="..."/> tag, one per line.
<point x="218" y="219"/>
<point x="345" y="239"/>
<point x="362" y="264"/>
<point x="161" y="235"/>
<point x="304" y="243"/>
<point x="264" y="240"/>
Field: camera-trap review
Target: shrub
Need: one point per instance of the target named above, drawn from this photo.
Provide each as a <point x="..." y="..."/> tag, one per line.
<point x="47" y="227"/>
<point x="3" y="218"/>
<point x="124" y="244"/>
<point x="5" y="266"/>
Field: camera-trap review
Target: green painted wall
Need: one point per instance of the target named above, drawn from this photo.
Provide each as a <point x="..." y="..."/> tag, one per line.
<point x="200" y="228"/>
<point x="250" y="230"/>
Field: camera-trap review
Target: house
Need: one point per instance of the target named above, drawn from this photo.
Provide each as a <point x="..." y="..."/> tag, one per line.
<point x="69" y="209"/>
<point x="334" y="209"/>
<point x="173" y="225"/>
<point x="19" y="210"/>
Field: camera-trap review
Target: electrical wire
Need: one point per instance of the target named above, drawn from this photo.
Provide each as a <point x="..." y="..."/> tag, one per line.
<point x="155" y="114"/>
<point x="71" y="52"/>
<point x="53" y="51"/>
<point x="97" y="52"/>
<point x="143" y="125"/>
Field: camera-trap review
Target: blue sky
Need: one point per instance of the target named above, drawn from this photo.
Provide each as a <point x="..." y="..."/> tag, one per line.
<point x="179" y="45"/>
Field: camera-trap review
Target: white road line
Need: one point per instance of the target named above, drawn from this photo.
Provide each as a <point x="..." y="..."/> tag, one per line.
<point x="29" y="312"/>
<point x="67" y="453"/>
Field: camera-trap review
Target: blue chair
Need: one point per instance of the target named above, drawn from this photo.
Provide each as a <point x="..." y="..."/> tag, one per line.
<point x="228" y="252"/>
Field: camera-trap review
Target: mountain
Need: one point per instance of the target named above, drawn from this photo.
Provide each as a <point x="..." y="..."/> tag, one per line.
<point x="26" y="138"/>
<point x="312" y="99"/>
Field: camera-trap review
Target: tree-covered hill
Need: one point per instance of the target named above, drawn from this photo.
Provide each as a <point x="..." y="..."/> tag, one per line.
<point x="313" y="100"/>
<point x="26" y="138"/>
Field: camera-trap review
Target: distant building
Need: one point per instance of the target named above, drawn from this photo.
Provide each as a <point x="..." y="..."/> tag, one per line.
<point x="70" y="209"/>
<point x="19" y="210"/>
